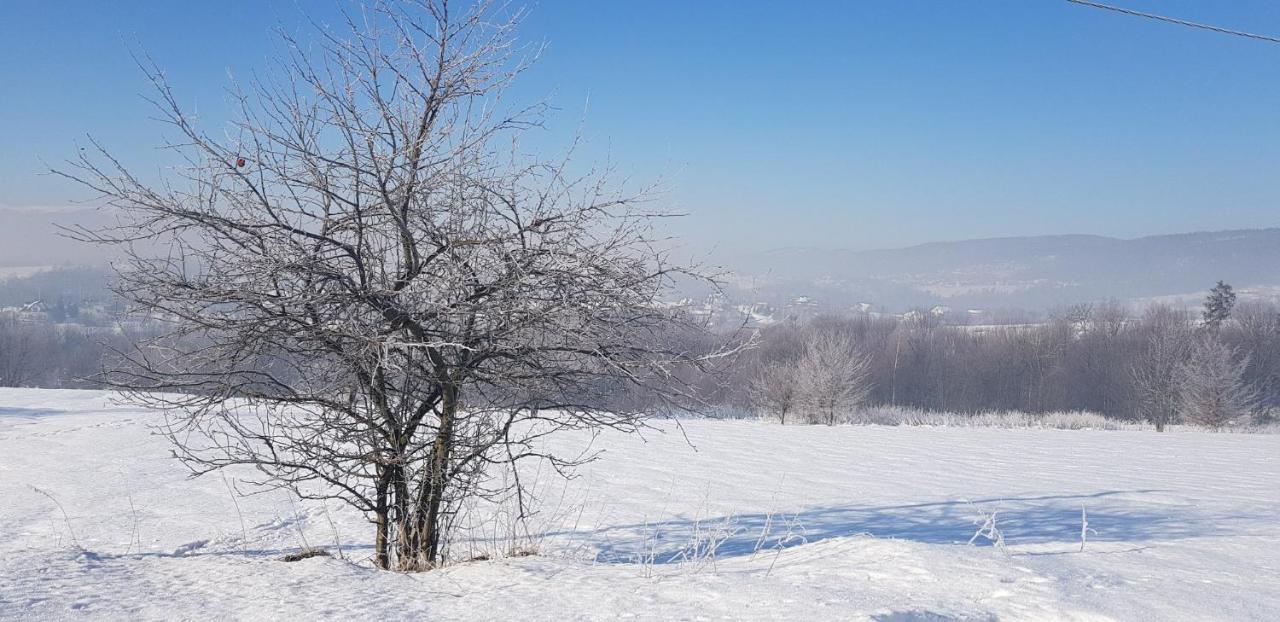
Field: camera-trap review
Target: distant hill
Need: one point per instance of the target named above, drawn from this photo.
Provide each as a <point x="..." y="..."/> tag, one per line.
<point x="1032" y="273"/>
<point x="1017" y="272"/>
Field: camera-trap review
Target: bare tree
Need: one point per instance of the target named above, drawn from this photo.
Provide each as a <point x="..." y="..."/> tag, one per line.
<point x="1109" y="319"/>
<point x="373" y="295"/>
<point x="834" y="377"/>
<point x="774" y="389"/>
<point x="21" y="356"/>
<point x="1258" y="336"/>
<point x="1156" y="373"/>
<point x="1212" y="390"/>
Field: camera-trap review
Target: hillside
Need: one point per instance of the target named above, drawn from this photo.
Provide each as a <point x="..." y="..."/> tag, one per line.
<point x="1019" y="272"/>
<point x="1032" y="273"/>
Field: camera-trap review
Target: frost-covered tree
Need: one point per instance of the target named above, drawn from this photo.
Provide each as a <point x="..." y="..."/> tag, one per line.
<point x="834" y="377"/>
<point x="1212" y="391"/>
<point x="373" y="293"/>
<point x="1218" y="305"/>
<point x="1257" y="333"/>
<point x="1167" y="340"/>
<point x="774" y="390"/>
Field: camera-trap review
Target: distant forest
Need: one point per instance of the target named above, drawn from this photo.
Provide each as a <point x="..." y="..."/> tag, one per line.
<point x="1218" y="366"/>
<point x="58" y="328"/>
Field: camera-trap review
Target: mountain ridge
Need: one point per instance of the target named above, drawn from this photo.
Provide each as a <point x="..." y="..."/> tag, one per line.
<point x="1017" y="271"/>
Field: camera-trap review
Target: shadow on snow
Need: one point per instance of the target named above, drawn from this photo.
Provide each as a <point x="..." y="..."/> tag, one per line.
<point x="1114" y="516"/>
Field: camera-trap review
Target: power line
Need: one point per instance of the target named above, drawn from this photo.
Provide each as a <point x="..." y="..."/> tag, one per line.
<point x="1174" y="20"/>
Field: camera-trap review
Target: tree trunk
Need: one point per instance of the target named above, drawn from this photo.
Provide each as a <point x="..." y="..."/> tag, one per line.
<point x="381" y="556"/>
<point x="406" y="534"/>
<point x="438" y="465"/>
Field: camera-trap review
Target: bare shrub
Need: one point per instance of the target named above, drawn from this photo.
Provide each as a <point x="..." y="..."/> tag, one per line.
<point x="1078" y="420"/>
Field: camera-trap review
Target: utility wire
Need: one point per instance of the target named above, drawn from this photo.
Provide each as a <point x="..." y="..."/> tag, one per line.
<point x="1174" y="20"/>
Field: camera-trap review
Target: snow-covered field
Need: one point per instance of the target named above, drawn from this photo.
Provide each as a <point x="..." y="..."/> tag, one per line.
<point x="846" y="523"/>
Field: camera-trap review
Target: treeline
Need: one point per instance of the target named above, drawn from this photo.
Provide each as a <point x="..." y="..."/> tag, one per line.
<point x="1164" y="366"/>
<point x="54" y="356"/>
<point x="60" y="287"/>
<point x="57" y="327"/>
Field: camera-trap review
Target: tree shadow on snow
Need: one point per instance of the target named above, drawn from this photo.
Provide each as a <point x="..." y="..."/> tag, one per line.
<point x="1114" y="516"/>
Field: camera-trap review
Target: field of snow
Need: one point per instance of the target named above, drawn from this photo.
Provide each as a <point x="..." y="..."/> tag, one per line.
<point x="807" y="523"/>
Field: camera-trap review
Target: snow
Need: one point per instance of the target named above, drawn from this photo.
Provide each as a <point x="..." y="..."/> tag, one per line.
<point x="845" y="523"/>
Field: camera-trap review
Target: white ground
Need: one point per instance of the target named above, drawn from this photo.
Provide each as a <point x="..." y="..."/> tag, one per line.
<point x="875" y="521"/>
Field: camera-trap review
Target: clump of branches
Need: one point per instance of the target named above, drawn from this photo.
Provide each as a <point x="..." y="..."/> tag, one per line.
<point x="372" y="295"/>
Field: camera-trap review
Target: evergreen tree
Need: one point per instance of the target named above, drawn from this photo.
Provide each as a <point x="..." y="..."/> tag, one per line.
<point x="1217" y="306"/>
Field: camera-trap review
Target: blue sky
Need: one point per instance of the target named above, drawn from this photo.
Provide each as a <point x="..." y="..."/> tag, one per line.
<point x="836" y="124"/>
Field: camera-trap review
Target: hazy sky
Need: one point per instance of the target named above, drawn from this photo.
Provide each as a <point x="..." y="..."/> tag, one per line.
<point x="838" y="124"/>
